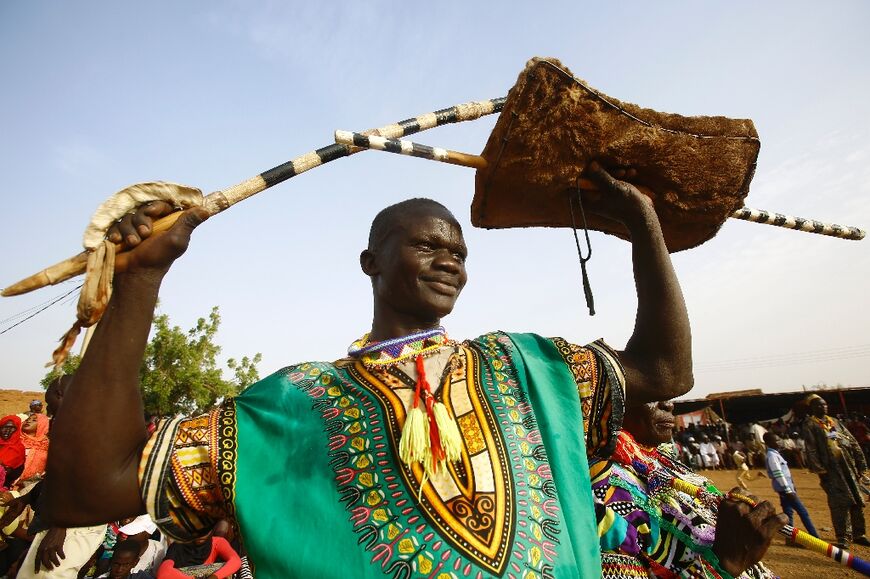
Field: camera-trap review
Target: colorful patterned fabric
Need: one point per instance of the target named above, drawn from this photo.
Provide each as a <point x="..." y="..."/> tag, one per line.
<point x="643" y="519"/>
<point x="307" y="462"/>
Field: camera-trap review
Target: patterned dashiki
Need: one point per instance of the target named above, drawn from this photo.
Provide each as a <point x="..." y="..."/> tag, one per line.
<point x="670" y="534"/>
<point x="306" y="462"/>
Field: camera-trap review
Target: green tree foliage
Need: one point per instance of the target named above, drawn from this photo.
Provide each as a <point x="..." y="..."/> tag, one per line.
<point x="69" y="367"/>
<point x="180" y="373"/>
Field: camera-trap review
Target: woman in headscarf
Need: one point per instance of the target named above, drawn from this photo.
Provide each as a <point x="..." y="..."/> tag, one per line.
<point x="34" y="436"/>
<point x="11" y="449"/>
<point x="648" y="528"/>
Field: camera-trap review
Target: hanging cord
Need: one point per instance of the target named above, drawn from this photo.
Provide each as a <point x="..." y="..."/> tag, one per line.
<point x="587" y="288"/>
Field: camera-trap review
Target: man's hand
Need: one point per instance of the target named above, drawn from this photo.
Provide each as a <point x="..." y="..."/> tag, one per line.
<point x="14" y="508"/>
<point x="50" y="551"/>
<point x="744" y="533"/>
<point x="615" y="199"/>
<point x="144" y="252"/>
<point x="5" y="497"/>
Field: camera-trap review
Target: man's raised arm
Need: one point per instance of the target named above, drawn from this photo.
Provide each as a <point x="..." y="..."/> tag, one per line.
<point x="658" y="356"/>
<point x="98" y="435"/>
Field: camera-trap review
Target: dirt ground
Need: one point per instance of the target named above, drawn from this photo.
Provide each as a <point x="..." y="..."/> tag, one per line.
<point x="15" y="401"/>
<point x="794" y="561"/>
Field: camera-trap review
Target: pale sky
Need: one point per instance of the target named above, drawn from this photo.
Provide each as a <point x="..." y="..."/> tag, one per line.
<point x="99" y="95"/>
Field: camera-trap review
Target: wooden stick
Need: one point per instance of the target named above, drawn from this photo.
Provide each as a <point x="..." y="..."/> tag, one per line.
<point x="402" y="147"/>
<point x="221" y="200"/>
<point x="799" y="223"/>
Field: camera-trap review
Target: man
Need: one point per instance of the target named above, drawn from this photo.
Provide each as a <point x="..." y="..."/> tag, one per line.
<point x="709" y="456"/>
<point x="783" y="485"/>
<point x="487" y="474"/>
<point x="647" y="528"/>
<point x="834" y="455"/>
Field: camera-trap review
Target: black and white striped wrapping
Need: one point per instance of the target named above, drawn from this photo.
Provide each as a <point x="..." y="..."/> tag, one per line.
<point x="220" y="200"/>
<point x="799" y="223"/>
<point x="391" y="145"/>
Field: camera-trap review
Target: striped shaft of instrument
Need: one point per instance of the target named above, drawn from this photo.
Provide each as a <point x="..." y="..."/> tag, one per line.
<point x="800" y="537"/>
<point x="799" y="223"/>
<point x="391" y="145"/>
<point x="220" y="200"/>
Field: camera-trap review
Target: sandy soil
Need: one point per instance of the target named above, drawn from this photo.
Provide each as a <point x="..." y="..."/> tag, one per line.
<point x="789" y="561"/>
<point x="15" y="401"/>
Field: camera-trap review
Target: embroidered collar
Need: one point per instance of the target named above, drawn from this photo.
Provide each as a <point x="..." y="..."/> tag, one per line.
<point x="395" y="350"/>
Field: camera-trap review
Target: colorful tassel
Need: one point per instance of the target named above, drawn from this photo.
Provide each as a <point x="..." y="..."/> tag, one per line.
<point x="451" y="440"/>
<point x="414" y="443"/>
<point x="431" y="438"/>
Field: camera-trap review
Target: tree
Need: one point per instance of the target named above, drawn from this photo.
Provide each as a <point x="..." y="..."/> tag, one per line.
<point x="70" y="365"/>
<point x="179" y="372"/>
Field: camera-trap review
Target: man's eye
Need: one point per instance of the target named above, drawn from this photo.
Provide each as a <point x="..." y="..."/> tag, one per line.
<point x="459" y="257"/>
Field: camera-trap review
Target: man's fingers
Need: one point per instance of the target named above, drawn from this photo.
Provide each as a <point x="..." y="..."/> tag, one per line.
<point x="157" y="209"/>
<point x="128" y="232"/>
<point x="192" y="218"/>
<point x="597" y="173"/>
<point x="761" y="513"/>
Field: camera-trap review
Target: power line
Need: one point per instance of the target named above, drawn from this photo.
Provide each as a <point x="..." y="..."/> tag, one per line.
<point x="815" y="356"/>
<point x="39" y="311"/>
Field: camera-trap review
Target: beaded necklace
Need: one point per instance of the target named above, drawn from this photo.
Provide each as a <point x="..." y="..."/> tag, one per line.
<point x="390" y="352"/>
<point x="825" y="422"/>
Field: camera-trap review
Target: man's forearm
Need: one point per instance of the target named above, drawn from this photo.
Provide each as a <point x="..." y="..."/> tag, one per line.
<point x="99" y="432"/>
<point x="661" y="345"/>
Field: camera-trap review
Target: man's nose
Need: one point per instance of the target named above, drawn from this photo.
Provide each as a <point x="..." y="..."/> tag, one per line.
<point x="446" y="260"/>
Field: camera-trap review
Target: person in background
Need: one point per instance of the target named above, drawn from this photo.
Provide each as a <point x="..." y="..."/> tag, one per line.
<point x="709" y="456"/>
<point x="207" y="552"/>
<point x="646" y="530"/>
<point x="151" y="551"/>
<point x="34" y="436"/>
<point x="800" y="450"/>
<point x="12" y="452"/>
<point x="743" y="473"/>
<point x="780" y="478"/>
<point x="834" y="455"/>
<point x="722" y="451"/>
<point x="124" y="560"/>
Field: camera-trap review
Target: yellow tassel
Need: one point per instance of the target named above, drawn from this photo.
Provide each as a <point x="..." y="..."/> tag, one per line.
<point x="451" y="440"/>
<point x="414" y="444"/>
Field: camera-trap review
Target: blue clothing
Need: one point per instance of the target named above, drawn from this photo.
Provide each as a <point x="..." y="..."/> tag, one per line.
<point x="791" y="503"/>
<point x="780" y="477"/>
<point x="777" y="470"/>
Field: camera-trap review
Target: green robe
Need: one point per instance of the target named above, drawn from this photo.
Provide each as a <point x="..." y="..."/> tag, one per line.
<point x="306" y="461"/>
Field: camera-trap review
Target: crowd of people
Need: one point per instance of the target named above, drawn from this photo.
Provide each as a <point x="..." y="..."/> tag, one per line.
<point x="132" y="547"/>
<point x="832" y="447"/>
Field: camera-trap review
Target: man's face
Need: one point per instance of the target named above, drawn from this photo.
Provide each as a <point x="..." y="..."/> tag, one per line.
<point x="819" y="407"/>
<point x="651" y="424"/>
<point x="420" y="266"/>
<point x="122" y="563"/>
<point x="36" y="407"/>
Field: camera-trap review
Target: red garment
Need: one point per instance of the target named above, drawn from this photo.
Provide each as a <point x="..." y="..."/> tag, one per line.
<point x="12" y="450"/>
<point x="219" y="548"/>
<point x="37" y="448"/>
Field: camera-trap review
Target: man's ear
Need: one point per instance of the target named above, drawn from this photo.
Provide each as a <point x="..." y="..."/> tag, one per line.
<point x="368" y="263"/>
